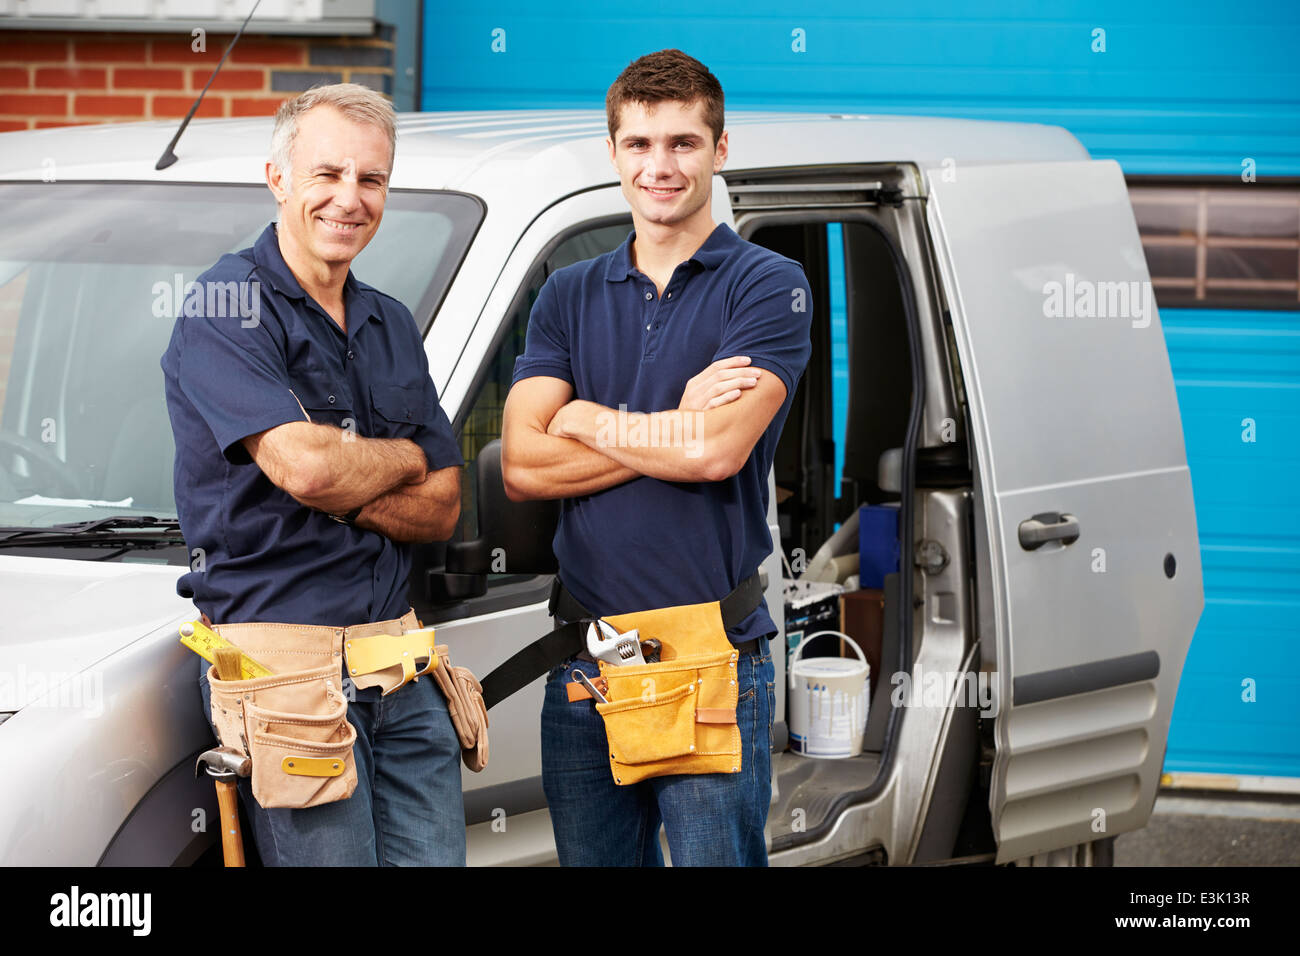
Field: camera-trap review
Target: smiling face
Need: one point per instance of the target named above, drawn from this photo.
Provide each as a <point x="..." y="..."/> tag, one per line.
<point x="333" y="200"/>
<point x="666" y="159"/>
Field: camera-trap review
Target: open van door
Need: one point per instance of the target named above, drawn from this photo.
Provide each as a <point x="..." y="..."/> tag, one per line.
<point x="1089" y="570"/>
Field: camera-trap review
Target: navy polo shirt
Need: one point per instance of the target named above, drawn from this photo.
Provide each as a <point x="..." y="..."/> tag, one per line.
<point x="234" y="371"/>
<point x="600" y="326"/>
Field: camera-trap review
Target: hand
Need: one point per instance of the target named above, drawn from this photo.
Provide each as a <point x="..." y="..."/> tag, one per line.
<point x="720" y="383"/>
<point x="556" y="425"/>
<point x="416" y="480"/>
<point x="418" y="472"/>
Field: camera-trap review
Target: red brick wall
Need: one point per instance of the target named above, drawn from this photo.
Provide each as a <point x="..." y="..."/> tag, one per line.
<point x="76" y="77"/>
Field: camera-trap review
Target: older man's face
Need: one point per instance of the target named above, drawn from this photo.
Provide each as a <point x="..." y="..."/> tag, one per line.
<point x="339" y="183"/>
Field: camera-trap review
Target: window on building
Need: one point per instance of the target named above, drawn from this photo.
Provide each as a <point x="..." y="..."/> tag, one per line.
<point x="1220" y="246"/>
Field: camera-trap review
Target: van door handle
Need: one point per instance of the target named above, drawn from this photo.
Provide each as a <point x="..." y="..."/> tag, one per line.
<point x="1048" y="526"/>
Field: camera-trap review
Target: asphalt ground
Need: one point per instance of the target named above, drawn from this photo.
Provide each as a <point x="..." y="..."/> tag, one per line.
<point x="1211" y="828"/>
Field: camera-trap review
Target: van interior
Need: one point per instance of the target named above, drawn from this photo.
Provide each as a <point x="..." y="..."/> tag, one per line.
<point x="850" y="408"/>
<point x="842" y="450"/>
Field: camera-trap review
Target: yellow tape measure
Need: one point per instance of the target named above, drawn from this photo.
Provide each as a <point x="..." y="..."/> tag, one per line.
<point x="204" y="642"/>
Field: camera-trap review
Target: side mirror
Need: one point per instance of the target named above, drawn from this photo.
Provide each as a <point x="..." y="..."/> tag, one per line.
<point x="514" y="537"/>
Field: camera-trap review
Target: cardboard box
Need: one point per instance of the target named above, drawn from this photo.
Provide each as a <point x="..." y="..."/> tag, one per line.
<point x="862" y="614"/>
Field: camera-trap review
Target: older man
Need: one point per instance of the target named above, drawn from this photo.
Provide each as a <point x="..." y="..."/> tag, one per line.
<point x="310" y="451"/>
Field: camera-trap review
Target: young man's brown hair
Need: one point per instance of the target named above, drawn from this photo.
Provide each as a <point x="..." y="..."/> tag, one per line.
<point x="666" y="75"/>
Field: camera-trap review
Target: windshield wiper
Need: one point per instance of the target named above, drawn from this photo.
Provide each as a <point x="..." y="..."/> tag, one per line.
<point x="82" y="528"/>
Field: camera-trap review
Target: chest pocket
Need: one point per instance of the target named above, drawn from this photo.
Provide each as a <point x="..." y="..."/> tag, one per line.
<point x="327" y="400"/>
<point x="399" y="409"/>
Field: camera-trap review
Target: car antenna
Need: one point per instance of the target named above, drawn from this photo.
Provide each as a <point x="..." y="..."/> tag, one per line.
<point x="168" y="157"/>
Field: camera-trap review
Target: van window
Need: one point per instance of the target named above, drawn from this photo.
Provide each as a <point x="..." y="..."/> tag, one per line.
<point x="482" y="423"/>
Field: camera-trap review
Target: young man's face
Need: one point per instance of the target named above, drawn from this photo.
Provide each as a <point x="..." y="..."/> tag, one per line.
<point x="334" y="198"/>
<point x="666" y="159"/>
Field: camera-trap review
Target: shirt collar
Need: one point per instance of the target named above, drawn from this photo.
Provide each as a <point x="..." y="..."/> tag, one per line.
<point x="715" y="250"/>
<point x="266" y="253"/>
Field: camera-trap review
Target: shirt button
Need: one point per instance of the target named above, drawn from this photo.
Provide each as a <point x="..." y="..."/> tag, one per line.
<point x="670" y="295"/>
<point x="331" y="399"/>
<point x="649" y="296"/>
<point x="647" y="328"/>
<point x="351" y="354"/>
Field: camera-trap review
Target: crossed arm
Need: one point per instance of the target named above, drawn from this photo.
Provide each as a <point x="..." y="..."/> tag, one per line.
<point x="555" y="447"/>
<point x="333" y="470"/>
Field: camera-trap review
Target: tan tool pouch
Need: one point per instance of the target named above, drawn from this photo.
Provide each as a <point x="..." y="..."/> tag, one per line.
<point x="294" y="725"/>
<point x="677" y="715"/>
<point x="465" y="704"/>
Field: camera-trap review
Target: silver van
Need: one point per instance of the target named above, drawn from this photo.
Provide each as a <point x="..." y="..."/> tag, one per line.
<point x="1008" y="386"/>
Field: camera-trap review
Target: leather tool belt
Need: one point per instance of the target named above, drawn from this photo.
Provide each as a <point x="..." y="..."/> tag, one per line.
<point x="675" y="716"/>
<point x="293" y="723"/>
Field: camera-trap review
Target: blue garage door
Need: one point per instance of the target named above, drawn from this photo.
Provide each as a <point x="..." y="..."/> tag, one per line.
<point x="1238" y="381"/>
<point x="1164" y="87"/>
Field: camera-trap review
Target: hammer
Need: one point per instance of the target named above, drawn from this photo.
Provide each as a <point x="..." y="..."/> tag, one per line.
<point x="224" y="765"/>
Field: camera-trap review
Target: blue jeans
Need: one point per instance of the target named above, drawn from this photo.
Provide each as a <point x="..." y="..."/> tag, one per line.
<point x="713" y="819"/>
<point x="407" y="809"/>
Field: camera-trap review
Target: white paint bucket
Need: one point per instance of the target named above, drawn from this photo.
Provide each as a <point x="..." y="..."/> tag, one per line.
<point x="828" y="701"/>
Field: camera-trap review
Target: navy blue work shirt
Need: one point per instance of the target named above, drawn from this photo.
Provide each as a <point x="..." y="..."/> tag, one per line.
<point x="600" y="326"/>
<point x="265" y="556"/>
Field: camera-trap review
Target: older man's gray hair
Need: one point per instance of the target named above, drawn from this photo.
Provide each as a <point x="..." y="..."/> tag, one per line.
<point x="358" y="103"/>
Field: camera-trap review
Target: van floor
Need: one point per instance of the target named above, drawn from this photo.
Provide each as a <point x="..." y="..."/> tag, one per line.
<point x="811" y="784"/>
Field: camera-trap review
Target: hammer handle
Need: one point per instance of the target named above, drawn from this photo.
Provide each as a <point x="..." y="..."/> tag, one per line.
<point x="232" y="841"/>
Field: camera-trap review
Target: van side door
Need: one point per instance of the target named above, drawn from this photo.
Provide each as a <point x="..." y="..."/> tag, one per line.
<point x="1089" y="571"/>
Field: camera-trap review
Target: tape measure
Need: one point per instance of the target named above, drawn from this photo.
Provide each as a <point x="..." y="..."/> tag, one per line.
<point x="204" y="642"/>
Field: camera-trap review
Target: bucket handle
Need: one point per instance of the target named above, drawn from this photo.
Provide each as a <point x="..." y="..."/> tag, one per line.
<point x="794" y="658"/>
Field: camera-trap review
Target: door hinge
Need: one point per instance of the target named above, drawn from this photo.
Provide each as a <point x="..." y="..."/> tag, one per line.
<point x="930" y="556"/>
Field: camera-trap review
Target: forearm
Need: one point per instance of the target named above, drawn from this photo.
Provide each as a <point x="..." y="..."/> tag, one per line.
<point x="421" y="511"/>
<point x="349" y="471"/>
<point x="538" y="465"/>
<point x="670" y="445"/>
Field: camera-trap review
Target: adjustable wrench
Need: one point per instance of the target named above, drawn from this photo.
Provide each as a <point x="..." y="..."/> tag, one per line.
<point x="606" y="644"/>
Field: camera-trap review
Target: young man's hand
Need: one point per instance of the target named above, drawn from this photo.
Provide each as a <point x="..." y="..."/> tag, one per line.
<point x="720" y="383"/>
<point x="555" y="427"/>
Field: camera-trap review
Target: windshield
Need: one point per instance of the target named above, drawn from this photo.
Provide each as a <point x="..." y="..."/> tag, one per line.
<point x="91" y="280"/>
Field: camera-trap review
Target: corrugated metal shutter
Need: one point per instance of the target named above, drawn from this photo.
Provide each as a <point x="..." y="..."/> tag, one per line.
<point x="1167" y="87"/>
<point x="1238" y="381"/>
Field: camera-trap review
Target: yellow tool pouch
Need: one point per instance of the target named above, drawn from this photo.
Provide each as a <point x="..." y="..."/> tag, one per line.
<point x="677" y="715"/>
